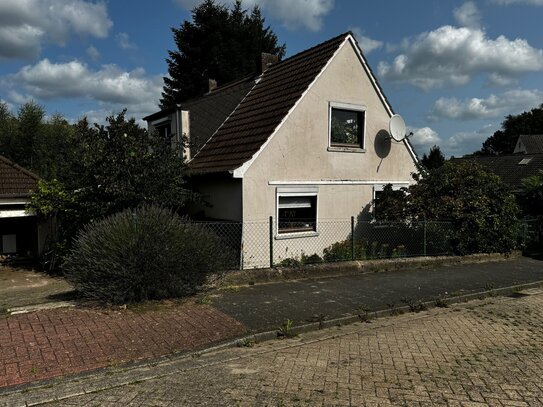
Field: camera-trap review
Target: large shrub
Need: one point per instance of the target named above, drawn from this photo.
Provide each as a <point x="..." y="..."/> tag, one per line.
<point x="480" y="207"/>
<point x="143" y="254"/>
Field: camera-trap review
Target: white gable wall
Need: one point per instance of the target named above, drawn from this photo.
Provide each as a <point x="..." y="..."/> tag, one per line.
<point x="297" y="155"/>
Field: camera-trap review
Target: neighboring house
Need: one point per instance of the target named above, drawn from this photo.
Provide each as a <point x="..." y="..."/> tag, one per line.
<point x="21" y="232"/>
<point x="307" y="144"/>
<point x="511" y="168"/>
<point x="529" y="144"/>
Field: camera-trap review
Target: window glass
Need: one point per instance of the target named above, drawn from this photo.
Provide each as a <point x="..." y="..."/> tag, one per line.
<point x="347" y="128"/>
<point x="297" y="214"/>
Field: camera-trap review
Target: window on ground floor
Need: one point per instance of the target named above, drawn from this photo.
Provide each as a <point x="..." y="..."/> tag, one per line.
<point x="296" y="213"/>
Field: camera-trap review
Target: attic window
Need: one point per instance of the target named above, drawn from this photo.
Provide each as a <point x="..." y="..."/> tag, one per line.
<point x="525" y="161"/>
<point x="347" y="125"/>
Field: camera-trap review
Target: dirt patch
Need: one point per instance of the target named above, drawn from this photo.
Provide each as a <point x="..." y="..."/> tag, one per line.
<point x="21" y="287"/>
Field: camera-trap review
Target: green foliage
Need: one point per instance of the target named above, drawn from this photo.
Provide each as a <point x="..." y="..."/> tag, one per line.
<point x="342" y="251"/>
<point x="531" y="195"/>
<point x="118" y="166"/>
<point x="434" y="159"/>
<point x="291" y="262"/>
<point x="143" y="254"/>
<point x="390" y="204"/>
<point x="219" y="43"/>
<point x="503" y="141"/>
<point x="480" y="206"/>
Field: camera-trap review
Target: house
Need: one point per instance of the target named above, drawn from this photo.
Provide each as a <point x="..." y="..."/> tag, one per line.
<point x="21" y="232"/>
<point x="511" y="168"/>
<point x="307" y="145"/>
<point x="529" y="144"/>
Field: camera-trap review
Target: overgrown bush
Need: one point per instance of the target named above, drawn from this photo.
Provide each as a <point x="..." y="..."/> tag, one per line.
<point x="143" y="254"/>
<point x="341" y="251"/>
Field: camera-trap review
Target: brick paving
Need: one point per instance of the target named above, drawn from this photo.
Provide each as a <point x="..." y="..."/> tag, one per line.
<point x="49" y="343"/>
<point x="483" y="353"/>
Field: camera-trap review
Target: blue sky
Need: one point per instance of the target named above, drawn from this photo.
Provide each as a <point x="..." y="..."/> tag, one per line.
<point x="452" y="69"/>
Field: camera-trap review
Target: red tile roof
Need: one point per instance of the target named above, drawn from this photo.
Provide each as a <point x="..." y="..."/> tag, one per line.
<point x="15" y="180"/>
<point x="262" y="110"/>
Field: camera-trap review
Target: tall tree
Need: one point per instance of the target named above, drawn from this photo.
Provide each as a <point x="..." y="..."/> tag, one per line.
<point x="503" y="141"/>
<point x="434" y="159"/>
<point x="219" y="43"/>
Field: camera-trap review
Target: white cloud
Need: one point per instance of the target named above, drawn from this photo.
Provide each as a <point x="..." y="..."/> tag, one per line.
<point x="19" y="98"/>
<point x="26" y="24"/>
<point x="467" y="141"/>
<point x="110" y="86"/>
<point x="93" y="53"/>
<point x="123" y="41"/>
<point x="423" y="138"/>
<point x="292" y="13"/>
<point x="367" y="44"/>
<point x="528" y="2"/>
<point x="510" y="102"/>
<point x="467" y="15"/>
<point x="452" y="55"/>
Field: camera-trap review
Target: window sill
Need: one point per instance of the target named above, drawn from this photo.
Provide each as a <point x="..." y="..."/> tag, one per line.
<point x="296" y="235"/>
<point x="338" y="149"/>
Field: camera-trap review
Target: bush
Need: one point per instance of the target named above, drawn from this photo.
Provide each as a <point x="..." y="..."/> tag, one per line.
<point x="342" y="251"/>
<point x="143" y="254"/>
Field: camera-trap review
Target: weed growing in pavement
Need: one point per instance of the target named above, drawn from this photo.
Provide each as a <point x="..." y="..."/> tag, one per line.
<point x="34" y="370"/>
<point x="364" y="313"/>
<point x="441" y="303"/>
<point x="320" y="318"/>
<point x="393" y="310"/>
<point x="285" y="330"/>
<point x="414" y="305"/>
<point x="246" y="343"/>
<point x="203" y="300"/>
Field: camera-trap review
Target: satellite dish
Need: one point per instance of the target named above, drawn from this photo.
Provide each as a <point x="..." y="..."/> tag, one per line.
<point x="396" y="127"/>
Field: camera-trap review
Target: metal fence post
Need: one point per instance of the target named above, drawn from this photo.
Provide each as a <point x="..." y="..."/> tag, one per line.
<point x="271" y="241"/>
<point x="424" y="235"/>
<point x="352" y="238"/>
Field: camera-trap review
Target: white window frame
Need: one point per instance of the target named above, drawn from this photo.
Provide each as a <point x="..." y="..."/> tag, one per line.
<point x="312" y="191"/>
<point x="354" y="108"/>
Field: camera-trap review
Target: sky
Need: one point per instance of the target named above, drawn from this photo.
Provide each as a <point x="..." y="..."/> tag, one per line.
<point x="452" y="69"/>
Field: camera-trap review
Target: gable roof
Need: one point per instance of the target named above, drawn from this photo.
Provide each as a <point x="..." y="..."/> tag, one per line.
<point x="209" y="111"/>
<point x="511" y="168"/>
<point x="532" y="143"/>
<point x="257" y="116"/>
<point x="15" y="181"/>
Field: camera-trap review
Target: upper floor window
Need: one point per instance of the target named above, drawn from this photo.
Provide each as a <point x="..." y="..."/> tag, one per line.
<point x="347" y="124"/>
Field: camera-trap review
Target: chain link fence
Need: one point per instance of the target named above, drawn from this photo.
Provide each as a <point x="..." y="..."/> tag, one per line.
<point x="260" y="244"/>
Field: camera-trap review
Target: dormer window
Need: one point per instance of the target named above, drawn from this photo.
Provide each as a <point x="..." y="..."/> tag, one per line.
<point x="347" y="126"/>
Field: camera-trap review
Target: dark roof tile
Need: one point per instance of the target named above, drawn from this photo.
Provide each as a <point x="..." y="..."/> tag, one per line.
<point x="511" y="168"/>
<point x="15" y="180"/>
<point x="263" y="109"/>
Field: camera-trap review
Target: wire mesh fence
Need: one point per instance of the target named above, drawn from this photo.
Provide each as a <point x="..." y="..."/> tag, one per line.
<point x="262" y="244"/>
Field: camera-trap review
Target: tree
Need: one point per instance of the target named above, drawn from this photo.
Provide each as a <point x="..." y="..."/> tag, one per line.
<point x="119" y="166"/>
<point x="390" y="204"/>
<point x="434" y="159"/>
<point x="531" y="195"/>
<point x="482" y="210"/>
<point x="219" y="44"/>
<point x="503" y="141"/>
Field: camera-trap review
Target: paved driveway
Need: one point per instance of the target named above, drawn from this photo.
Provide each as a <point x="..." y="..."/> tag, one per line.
<point x="482" y="353"/>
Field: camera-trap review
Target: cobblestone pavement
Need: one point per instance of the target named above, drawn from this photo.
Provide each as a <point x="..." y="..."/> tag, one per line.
<point x="482" y="353"/>
<point x="49" y="343"/>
